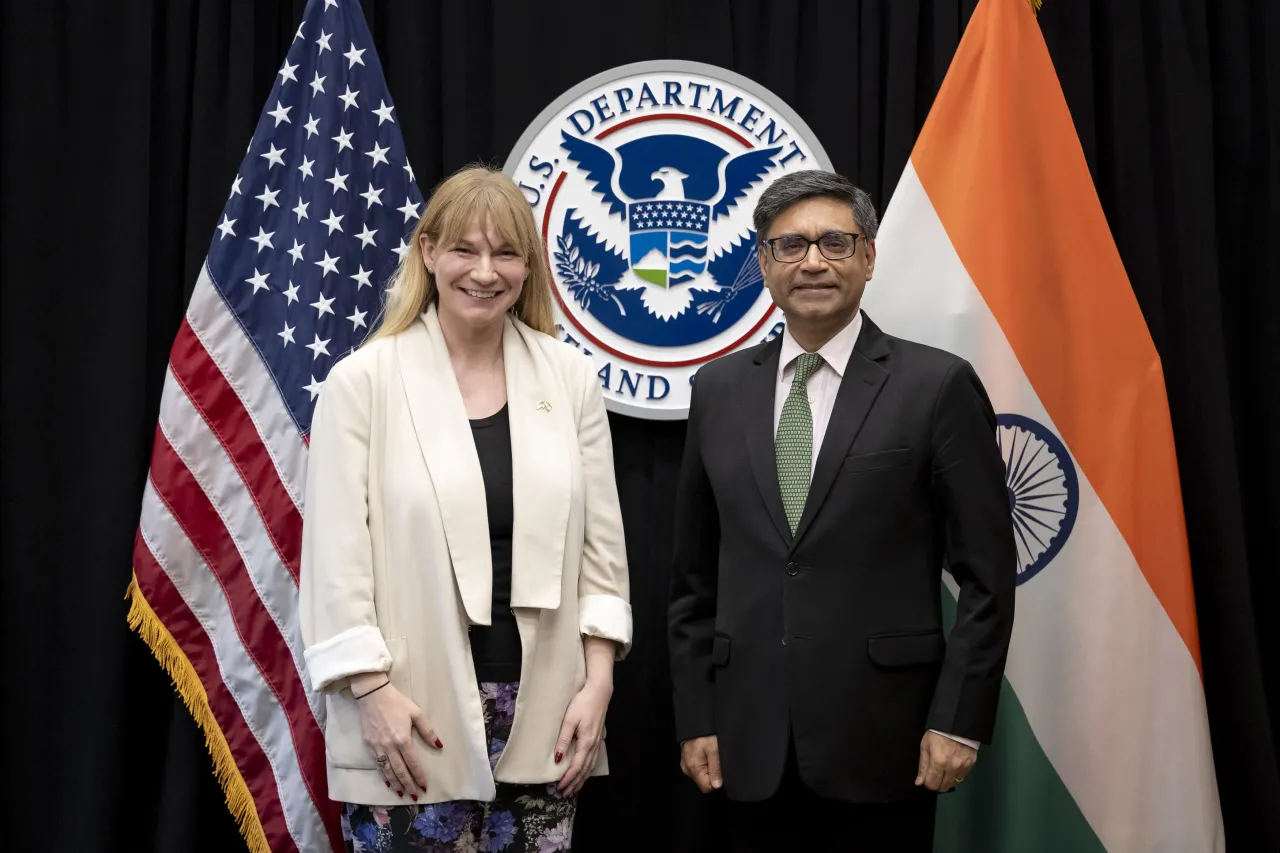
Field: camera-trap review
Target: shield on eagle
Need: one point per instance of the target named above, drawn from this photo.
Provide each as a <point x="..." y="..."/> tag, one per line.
<point x="668" y="240"/>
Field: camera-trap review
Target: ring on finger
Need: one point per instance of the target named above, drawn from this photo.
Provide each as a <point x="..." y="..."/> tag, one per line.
<point x="382" y="760"/>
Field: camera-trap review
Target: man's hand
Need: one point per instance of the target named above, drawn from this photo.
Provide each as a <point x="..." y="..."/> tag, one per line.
<point x="943" y="762"/>
<point x="700" y="761"/>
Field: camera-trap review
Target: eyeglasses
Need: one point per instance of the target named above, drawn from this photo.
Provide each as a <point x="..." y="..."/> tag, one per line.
<point x="793" y="248"/>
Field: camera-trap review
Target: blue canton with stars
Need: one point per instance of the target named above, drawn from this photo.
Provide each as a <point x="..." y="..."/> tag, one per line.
<point x="321" y="208"/>
<point x="654" y="215"/>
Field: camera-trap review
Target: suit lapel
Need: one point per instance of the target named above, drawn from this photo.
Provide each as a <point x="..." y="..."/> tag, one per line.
<point x="543" y="437"/>
<point x="758" y="388"/>
<point x="864" y="376"/>
<point x="444" y="437"/>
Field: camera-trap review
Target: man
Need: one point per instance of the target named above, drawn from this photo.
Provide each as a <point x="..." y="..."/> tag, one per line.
<point x="829" y="477"/>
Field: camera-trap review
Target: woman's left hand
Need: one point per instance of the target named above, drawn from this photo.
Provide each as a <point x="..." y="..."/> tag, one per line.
<point x="583" y="722"/>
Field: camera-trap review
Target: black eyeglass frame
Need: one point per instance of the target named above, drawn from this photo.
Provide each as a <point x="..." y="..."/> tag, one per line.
<point x="773" y="249"/>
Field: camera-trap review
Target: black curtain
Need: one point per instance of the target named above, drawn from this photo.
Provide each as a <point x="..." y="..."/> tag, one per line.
<point x="124" y="123"/>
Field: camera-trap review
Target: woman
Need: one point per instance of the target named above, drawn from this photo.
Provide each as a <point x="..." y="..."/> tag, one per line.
<point x="464" y="589"/>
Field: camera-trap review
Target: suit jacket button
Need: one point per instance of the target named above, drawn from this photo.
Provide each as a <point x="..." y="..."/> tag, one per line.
<point x="792" y="569"/>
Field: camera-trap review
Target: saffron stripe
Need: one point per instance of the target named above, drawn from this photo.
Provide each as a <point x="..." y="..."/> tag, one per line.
<point x="1044" y="260"/>
<point x="1104" y="678"/>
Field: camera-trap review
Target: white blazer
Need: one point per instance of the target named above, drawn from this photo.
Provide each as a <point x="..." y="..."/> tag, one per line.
<point x="396" y="563"/>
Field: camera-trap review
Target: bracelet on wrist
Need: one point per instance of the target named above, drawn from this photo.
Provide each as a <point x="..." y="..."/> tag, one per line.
<point x="374" y="690"/>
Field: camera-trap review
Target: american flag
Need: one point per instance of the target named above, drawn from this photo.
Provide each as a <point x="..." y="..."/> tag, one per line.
<point x="314" y="225"/>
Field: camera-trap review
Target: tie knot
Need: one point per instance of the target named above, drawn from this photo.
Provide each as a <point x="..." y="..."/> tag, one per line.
<point x="807" y="365"/>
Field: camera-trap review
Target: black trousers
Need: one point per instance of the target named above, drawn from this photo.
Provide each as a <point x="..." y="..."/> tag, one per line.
<point x="796" y="819"/>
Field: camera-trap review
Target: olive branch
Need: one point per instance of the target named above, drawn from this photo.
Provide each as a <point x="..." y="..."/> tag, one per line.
<point x="579" y="275"/>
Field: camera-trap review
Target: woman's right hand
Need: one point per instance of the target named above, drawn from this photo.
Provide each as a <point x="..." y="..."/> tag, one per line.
<point x="388" y="719"/>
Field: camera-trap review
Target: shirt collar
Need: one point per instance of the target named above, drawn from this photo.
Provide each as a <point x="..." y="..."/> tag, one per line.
<point x="835" y="352"/>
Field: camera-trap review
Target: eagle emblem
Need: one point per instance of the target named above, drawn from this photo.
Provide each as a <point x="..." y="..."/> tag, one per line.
<point x="663" y="238"/>
<point x="643" y="182"/>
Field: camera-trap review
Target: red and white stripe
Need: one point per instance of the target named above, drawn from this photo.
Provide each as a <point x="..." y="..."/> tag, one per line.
<point x="217" y="557"/>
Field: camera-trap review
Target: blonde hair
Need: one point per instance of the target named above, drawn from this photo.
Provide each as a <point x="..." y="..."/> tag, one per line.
<point x="475" y="192"/>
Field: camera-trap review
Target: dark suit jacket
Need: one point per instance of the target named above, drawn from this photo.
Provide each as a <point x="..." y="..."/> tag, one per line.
<point x="835" y="636"/>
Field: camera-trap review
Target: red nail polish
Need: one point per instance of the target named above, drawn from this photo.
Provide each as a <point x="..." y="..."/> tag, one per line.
<point x="399" y="793"/>
<point x="559" y="755"/>
<point x="388" y="783"/>
<point x="439" y="745"/>
<point x="413" y="797"/>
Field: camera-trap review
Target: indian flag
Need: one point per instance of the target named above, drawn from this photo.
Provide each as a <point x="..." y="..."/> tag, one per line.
<point x="994" y="247"/>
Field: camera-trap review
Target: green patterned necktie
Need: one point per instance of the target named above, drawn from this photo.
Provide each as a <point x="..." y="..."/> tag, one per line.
<point x="793" y="446"/>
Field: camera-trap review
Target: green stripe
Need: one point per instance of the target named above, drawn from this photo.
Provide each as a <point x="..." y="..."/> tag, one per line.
<point x="1013" y="800"/>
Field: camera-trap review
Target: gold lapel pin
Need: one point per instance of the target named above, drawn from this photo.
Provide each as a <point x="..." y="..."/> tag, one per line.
<point x="544" y="406"/>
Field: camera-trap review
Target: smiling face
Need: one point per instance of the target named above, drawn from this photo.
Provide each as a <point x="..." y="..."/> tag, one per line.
<point x="478" y="277"/>
<point x="816" y="292"/>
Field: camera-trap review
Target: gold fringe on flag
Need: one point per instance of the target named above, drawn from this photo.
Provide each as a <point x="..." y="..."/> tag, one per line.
<point x="1035" y="5"/>
<point x="166" y="650"/>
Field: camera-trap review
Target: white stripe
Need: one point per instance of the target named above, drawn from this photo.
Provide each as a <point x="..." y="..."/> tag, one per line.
<point x="262" y="712"/>
<point x="241" y="364"/>
<point x="207" y="460"/>
<point x="1107" y="683"/>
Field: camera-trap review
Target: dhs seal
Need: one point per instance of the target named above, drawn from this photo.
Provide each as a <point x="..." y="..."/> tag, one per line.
<point x="643" y="180"/>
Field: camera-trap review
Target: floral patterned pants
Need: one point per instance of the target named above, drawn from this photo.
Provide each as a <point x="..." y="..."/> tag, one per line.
<point x="522" y="818"/>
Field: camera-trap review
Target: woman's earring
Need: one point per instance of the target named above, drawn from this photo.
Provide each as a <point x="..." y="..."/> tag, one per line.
<point x="430" y="271"/>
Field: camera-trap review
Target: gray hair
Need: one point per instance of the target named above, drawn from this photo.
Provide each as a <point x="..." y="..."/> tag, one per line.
<point x="813" y="183"/>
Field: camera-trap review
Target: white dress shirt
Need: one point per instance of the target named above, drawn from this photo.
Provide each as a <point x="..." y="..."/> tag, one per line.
<point x="823" y="384"/>
<point x="822" y="387"/>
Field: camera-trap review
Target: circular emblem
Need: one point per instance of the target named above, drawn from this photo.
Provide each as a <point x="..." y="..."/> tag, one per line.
<point x="1044" y="491"/>
<point x="643" y="180"/>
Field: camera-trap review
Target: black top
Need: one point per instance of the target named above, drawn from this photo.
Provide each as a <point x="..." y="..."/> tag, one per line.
<point x="496" y="648"/>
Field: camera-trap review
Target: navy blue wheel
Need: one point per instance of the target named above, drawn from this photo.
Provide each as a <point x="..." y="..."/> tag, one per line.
<point x="1043" y="489"/>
